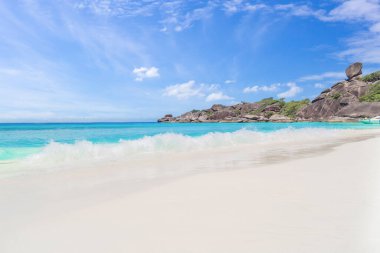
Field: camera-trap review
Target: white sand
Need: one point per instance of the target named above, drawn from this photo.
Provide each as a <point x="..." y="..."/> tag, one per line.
<point x="329" y="202"/>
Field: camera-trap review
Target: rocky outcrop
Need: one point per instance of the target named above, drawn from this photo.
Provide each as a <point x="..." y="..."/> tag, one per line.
<point x="354" y="70"/>
<point x="360" y="110"/>
<point x="268" y="109"/>
<point x="280" y="118"/>
<point x="339" y="100"/>
<point x="339" y="103"/>
<point x="331" y="101"/>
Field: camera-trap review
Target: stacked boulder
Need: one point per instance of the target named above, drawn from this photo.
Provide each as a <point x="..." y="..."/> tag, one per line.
<point x="341" y="102"/>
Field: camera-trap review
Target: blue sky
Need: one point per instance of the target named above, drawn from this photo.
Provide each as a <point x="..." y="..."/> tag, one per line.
<point x="118" y="60"/>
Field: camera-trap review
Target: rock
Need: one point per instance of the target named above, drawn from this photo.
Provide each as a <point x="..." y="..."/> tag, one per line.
<point x="360" y="110"/>
<point x="341" y="119"/>
<point x="249" y="107"/>
<point x="354" y="70"/>
<point x="217" y="107"/>
<point x="326" y="91"/>
<point x="272" y="108"/>
<point x="332" y="100"/>
<point x="167" y="118"/>
<point x="317" y="99"/>
<point x="251" y="117"/>
<point x="344" y="101"/>
<point x="220" y="115"/>
<point x="203" y="118"/>
<point x="262" y="118"/>
<point x="280" y="118"/>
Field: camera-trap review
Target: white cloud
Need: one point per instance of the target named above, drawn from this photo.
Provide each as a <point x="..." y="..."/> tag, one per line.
<point x="299" y="10"/>
<point x="177" y="16"/>
<point x="291" y="92"/>
<point x="184" y="90"/>
<point x="363" y="46"/>
<point x="234" y="6"/>
<point x="217" y="96"/>
<point x="319" y="85"/>
<point x="118" y="8"/>
<point x="355" y="10"/>
<point x="256" y="88"/>
<point x="229" y="81"/>
<point x="144" y="73"/>
<point x="254" y="7"/>
<point x="192" y="89"/>
<point x="323" y="76"/>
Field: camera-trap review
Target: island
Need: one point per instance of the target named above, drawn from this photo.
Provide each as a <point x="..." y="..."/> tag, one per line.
<point x="349" y="100"/>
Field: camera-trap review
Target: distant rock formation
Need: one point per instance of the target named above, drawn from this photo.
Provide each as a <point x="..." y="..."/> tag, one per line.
<point x="341" y="102"/>
<point x="331" y="101"/>
<point x="269" y="109"/>
<point x="354" y="70"/>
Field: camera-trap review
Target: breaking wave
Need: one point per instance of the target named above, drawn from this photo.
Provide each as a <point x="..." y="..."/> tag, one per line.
<point x="59" y="155"/>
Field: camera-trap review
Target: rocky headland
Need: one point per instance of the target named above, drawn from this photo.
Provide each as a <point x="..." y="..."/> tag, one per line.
<point x="348" y="100"/>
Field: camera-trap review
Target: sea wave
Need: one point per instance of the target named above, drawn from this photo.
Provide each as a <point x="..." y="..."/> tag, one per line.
<point x="58" y="155"/>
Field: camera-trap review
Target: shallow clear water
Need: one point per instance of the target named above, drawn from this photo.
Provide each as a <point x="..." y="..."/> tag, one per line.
<point x="22" y="140"/>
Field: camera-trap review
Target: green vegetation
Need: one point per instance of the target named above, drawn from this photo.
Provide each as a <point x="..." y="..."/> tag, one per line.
<point x="194" y="111"/>
<point x="288" y="109"/>
<point x="268" y="114"/>
<point x="291" y="108"/>
<point x="373" y="77"/>
<point x="267" y="102"/>
<point x="373" y="94"/>
<point x="335" y="95"/>
<point x="271" y="101"/>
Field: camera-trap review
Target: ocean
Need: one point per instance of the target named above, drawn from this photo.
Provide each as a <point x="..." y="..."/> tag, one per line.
<point x="55" y="144"/>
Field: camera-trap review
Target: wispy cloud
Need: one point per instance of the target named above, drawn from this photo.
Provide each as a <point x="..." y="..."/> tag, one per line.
<point x="291" y="92"/>
<point x="323" y="76"/>
<point x="175" y="14"/>
<point x="218" y="96"/>
<point x="299" y="10"/>
<point x="50" y="57"/>
<point x="118" y="8"/>
<point x="145" y="73"/>
<point x="179" y="20"/>
<point x="234" y="6"/>
<point x="106" y="45"/>
<point x="319" y="85"/>
<point x="184" y="90"/>
<point x="363" y="46"/>
<point x="46" y="97"/>
<point x="229" y="81"/>
<point x="256" y="88"/>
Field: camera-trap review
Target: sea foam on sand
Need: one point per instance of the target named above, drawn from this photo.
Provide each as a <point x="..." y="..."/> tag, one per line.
<point x="256" y="146"/>
<point x="288" y="198"/>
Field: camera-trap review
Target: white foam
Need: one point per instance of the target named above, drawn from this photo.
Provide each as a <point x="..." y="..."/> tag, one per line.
<point x="57" y="155"/>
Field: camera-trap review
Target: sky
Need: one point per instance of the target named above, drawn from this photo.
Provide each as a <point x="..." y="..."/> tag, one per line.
<point x="126" y="60"/>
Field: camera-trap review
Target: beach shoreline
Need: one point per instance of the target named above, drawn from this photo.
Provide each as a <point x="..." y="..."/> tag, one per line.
<point x="323" y="201"/>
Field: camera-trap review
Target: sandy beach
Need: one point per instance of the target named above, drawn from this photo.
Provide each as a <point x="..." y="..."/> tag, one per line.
<point x="178" y="126"/>
<point x="326" y="201"/>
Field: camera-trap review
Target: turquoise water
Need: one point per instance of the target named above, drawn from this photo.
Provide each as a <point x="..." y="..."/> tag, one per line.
<point x="22" y="140"/>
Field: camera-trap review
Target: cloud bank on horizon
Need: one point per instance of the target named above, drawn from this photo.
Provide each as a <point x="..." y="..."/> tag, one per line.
<point x="108" y="60"/>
